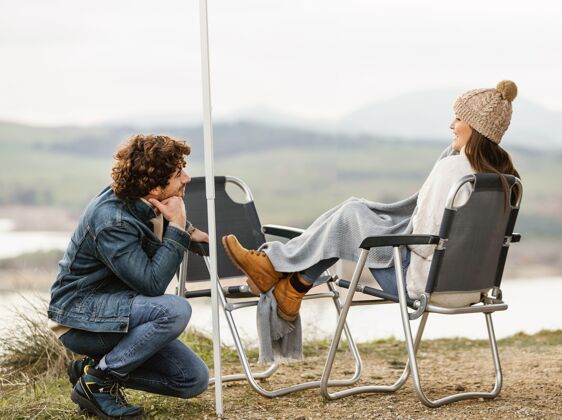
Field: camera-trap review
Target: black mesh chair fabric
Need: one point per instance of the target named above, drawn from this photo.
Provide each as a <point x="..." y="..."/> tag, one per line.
<point x="240" y="219"/>
<point x="474" y="254"/>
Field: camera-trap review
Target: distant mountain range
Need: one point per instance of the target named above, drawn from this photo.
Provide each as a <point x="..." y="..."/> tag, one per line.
<point x="424" y="115"/>
<point x="421" y="116"/>
<point x="231" y="139"/>
<point x="428" y="114"/>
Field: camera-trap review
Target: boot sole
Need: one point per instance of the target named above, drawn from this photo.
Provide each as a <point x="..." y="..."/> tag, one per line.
<point x="253" y="287"/>
<point x="86" y="405"/>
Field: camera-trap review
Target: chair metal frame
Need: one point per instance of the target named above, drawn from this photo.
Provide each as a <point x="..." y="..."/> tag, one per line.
<point x="421" y="308"/>
<point x="226" y="294"/>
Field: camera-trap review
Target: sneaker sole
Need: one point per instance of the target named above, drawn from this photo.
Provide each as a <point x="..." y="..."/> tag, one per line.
<point x="84" y="412"/>
<point x="86" y="405"/>
<point x="252" y="286"/>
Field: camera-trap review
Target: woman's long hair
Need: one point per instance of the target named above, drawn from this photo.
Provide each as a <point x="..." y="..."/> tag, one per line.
<point x="486" y="156"/>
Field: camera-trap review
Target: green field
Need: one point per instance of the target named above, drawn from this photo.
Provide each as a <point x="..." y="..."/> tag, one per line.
<point x="293" y="180"/>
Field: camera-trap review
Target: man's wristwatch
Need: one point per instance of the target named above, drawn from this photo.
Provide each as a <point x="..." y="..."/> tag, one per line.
<point x="189" y="228"/>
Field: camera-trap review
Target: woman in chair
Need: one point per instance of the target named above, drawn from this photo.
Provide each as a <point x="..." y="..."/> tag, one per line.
<point x="481" y="118"/>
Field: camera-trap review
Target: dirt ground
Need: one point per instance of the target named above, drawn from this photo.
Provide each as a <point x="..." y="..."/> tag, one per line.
<point x="532" y="386"/>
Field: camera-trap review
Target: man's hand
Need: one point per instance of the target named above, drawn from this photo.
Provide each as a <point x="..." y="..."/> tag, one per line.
<point x="172" y="208"/>
<point x="199" y="236"/>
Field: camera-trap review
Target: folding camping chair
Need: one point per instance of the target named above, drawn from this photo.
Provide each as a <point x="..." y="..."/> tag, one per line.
<point x="242" y="220"/>
<point x="470" y="256"/>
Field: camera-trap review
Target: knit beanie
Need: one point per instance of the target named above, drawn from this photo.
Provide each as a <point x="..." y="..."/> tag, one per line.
<point x="488" y="111"/>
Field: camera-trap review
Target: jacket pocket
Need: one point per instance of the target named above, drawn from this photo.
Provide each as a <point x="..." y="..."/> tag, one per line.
<point x="112" y="305"/>
<point x="87" y="304"/>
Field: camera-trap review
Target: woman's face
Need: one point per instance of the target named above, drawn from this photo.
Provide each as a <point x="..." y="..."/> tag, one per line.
<point x="461" y="133"/>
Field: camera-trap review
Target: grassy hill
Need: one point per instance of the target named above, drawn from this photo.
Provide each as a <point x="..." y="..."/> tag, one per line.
<point x="295" y="175"/>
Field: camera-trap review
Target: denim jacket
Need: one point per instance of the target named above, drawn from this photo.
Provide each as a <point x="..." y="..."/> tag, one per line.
<point x="113" y="255"/>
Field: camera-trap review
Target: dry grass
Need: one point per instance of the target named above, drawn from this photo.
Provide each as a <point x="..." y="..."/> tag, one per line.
<point x="30" y="351"/>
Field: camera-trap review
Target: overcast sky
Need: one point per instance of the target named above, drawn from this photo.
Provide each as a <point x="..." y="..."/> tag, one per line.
<point x="75" y="62"/>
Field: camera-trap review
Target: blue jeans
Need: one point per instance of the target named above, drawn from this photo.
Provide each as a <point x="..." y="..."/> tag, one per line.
<point x="149" y="357"/>
<point x="385" y="277"/>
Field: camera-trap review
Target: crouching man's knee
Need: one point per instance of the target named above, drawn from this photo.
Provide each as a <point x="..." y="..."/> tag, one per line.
<point x="179" y="311"/>
<point x="197" y="383"/>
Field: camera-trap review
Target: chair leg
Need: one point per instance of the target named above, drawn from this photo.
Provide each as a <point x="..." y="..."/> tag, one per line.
<point x="411" y="347"/>
<point x="352" y="346"/>
<point x="241" y="376"/>
<point x="225" y="378"/>
<point x="464" y="395"/>
<point x="251" y="377"/>
<point x="495" y="355"/>
<point x="335" y="343"/>
<point x="182" y="275"/>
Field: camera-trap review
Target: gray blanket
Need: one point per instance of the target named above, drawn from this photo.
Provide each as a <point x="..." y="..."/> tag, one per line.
<point x="335" y="234"/>
<point x="339" y="232"/>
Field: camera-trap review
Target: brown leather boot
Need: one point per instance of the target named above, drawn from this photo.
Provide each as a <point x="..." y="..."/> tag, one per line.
<point x="289" y="294"/>
<point x="255" y="264"/>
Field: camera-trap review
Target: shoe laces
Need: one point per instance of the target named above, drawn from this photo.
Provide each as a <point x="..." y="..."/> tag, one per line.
<point x="118" y="392"/>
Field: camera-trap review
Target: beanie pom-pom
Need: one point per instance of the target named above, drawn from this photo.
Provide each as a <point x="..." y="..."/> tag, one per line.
<point x="508" y="89"/>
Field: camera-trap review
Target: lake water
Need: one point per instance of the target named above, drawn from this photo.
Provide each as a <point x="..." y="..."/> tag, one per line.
<point x="532" y="306"/>
<point x="14" y="243"/>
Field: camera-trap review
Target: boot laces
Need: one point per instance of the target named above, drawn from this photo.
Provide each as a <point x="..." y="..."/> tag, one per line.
<point x="258" y="253"/>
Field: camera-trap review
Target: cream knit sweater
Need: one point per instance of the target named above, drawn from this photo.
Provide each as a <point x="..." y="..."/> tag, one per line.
<point x="427" y="220"/>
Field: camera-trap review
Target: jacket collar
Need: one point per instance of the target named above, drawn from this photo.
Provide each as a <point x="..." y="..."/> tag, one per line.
<point x="142" y="209"/>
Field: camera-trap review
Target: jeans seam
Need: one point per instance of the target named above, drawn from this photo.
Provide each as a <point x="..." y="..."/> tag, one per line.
<point x="148" y="334"/>
<point x="169" y="381"/>
<point x="141" y="379"/>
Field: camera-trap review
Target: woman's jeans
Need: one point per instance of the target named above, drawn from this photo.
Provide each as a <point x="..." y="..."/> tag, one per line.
<point x="385" y="277"/>
<point x="149" y="357"/>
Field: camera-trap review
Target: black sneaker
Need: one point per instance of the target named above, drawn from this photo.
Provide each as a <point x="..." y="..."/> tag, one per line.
<point x="101" y="394"/>
<point x="75" y="368"/>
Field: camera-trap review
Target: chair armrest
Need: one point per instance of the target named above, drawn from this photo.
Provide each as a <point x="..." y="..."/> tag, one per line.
<point x="397" y="240"/>
<point x="199" y="248"/>
<point x="282" y="231"/>
<point x="515" y="237"/>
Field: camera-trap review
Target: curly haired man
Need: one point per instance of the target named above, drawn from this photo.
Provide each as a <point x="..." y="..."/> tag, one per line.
<point x="108" y="299"/>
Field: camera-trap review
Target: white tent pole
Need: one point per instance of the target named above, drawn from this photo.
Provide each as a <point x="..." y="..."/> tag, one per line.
<point x="210" y="191"/>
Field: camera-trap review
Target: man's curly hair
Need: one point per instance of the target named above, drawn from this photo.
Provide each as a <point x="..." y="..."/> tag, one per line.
<point x="145" y="162"/>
